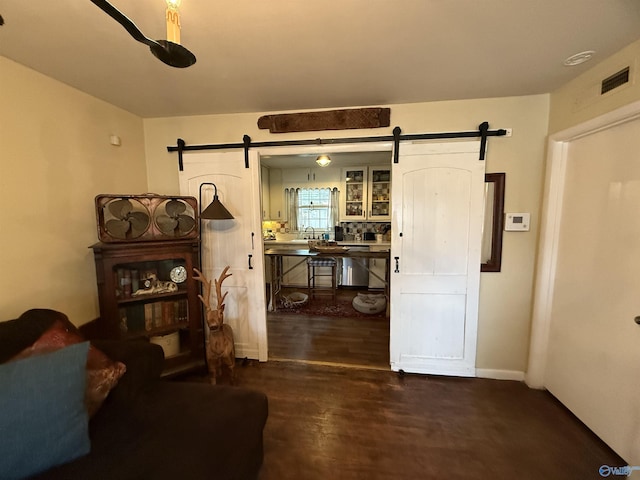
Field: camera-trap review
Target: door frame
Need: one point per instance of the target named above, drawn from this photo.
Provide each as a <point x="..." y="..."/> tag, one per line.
<point x="317" y="150"/>
<point x="321" y="148"/>
<point x="551" y="218"/>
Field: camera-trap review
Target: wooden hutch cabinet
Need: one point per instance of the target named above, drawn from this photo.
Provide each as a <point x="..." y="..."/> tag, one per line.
<point x="138" y="298"/>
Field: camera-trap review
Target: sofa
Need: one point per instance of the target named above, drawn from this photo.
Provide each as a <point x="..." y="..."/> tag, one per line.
<point x="144" y="428"/>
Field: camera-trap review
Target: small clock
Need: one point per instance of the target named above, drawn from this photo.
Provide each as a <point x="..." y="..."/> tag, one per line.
<point x="178" y="274"/>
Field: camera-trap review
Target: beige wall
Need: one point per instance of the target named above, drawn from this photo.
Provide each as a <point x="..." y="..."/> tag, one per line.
<point x="579" y="100"/>
<point x="55" y="159"/>
<point x="575" y="108"/>
<point x="582" y="334"/>
<point x="505" y="297"/>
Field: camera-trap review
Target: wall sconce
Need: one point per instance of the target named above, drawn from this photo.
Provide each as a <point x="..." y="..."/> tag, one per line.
<point x="323" y="160"/>
<point x="215" y="211"/>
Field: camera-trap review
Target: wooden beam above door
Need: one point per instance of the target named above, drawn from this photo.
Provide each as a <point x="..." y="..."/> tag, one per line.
<point x="373" y="117"/>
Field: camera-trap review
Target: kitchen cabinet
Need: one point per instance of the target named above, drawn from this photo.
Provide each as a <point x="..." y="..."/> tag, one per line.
<point x="324" y="177"/>
<point x="294" y="177"/>
<point x="276" y="192"/>
<point x="320" y="177"/>
<point x="353" y="194"/>
<point x="365" y="194"/>
<point x="295" y="277"/>
<point x="266" y="193"/>
<point x="379" y="194"/>
<point x="377" y="266"/>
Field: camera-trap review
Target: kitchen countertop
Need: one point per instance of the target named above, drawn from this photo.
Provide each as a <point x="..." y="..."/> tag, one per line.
<point x="346" y="243"/>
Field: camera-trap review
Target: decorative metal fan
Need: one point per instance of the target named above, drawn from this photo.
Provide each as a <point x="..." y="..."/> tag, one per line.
<point x="146" y="217"/>
<point x="177" y="220"/>
<point x="129" y="220"/>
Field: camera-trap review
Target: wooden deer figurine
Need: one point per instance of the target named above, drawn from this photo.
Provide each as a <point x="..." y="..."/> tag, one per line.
<point x="221" y="350"/>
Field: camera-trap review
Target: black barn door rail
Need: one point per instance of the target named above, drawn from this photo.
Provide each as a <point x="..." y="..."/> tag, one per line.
<point x="483" y="132"/>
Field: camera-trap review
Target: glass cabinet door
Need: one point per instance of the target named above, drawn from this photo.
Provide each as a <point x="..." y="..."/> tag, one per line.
<point x="379" y="193"/>
<point x="354" y="181"/>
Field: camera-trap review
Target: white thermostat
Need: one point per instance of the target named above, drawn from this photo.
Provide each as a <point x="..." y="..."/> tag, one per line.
<point x="517" y="222"/>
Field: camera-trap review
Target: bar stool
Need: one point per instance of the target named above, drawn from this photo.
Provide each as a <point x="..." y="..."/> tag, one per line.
<point x="312" y="288"/>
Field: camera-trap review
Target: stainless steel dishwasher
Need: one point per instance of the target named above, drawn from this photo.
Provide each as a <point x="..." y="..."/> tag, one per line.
<point x="353" y="271"/>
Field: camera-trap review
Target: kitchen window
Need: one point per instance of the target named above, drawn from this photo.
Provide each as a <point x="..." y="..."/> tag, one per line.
<point x="312" y="207"/>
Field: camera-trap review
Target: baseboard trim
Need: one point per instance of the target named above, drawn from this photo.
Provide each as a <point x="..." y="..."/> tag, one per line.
<point x="500" y="374"/>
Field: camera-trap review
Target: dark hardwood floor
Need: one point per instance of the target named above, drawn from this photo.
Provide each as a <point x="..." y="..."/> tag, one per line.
<point x="328" y="422"/>
<point x="346" y="341"/>
<point x="359" y="341"/>
<point x="336" y="411"/>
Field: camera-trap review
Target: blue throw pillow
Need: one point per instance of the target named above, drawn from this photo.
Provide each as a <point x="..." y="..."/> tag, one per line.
<point x="43" y="420"/>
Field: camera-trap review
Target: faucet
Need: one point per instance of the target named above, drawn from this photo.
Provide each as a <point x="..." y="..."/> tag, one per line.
<point x="313" y="232"/>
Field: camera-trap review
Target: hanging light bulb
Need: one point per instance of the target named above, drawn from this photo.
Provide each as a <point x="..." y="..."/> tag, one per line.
<point x="323" y="160"/>
<point x="173" y="20"/>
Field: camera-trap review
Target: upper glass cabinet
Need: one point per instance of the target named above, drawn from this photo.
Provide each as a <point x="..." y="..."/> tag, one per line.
<point x="379" y="193"/>
<point x="354" y="201"/>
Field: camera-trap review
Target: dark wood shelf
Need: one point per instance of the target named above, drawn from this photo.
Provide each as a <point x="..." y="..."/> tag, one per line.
<point x="128" y="318"/>
<point x="151" y="298"/>
<point x="157" y="330"/>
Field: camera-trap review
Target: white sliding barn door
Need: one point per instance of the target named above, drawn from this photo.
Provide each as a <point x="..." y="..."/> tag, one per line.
<point x="236" y="242"/>
<point x="438" y="205"/>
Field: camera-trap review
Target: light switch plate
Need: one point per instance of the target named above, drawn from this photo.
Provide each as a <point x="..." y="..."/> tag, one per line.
<point x="517" y="222"/>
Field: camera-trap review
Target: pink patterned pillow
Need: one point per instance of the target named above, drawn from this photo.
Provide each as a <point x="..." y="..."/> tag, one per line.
<point x="102" y="372"/>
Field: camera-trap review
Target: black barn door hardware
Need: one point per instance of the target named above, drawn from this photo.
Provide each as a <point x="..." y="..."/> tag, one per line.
<point x="483" y="132"/>
<point x="246" y="141"/>
<point x="180" y="143"/>
<point x="396" y="144"/>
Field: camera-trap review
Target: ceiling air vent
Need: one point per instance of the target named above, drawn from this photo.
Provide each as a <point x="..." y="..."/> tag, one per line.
<point x="614" y="81"/>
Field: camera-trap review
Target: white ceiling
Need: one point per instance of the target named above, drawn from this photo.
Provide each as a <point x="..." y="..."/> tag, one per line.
<point x="279" y="55"/>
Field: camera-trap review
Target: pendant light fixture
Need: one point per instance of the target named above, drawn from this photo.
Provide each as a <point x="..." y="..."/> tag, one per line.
<point x="215" y="211"/>
<point x="173" y="20"/>
<point x="168" y="51"/>
<point x="323" y="160"/>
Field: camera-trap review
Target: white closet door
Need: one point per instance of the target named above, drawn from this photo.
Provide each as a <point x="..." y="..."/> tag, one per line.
<point x="437" y="212"/>
<point x="236" y="242"/>
<point x="593" y="362"/>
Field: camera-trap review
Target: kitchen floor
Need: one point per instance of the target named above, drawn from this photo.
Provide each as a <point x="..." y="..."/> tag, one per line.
<point x="350" y="340"/>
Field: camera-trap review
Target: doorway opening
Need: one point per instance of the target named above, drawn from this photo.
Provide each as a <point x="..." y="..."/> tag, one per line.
<point x="324" y="330"/>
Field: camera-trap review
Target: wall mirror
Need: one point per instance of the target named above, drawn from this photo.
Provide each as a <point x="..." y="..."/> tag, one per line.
<point x="493" y="222"/>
